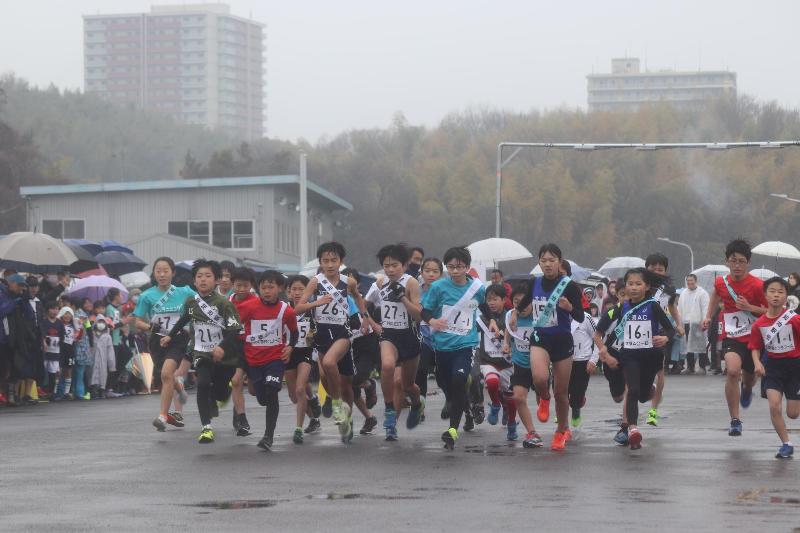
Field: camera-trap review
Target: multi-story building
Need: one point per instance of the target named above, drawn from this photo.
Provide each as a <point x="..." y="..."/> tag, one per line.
<point x="626" y="87"/>
<point x="198" y="63"/>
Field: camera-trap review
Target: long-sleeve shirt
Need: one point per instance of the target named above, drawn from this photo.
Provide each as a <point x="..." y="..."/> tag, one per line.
<point x="209" y="334"/>
<point x="693" y="305"/>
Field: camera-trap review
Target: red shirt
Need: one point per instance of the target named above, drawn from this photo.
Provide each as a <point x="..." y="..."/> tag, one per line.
<point x="738" y="324"/>
<point x="786" y="343"/>
<point x="259" y="320"/>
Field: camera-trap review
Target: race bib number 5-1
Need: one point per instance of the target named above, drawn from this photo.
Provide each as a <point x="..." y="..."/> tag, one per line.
<point x="265" y="333"/>
<point x="638" y="335"/>
<point x="207" y="337"/>
<point x="738" y="324"/>
<point x="460" y="322"/>
<point x="303" y="327"/>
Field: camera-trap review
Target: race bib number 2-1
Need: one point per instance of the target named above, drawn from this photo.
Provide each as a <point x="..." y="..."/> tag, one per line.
<point x="738" y="324"/>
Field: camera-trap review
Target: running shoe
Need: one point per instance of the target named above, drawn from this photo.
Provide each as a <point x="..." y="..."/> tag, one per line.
<point x="634" y="439"/>
<point x="244" y="426"/>
<point x="785" y="452"/>
<point x="297" y="438"/>
<point x="511" y="431"/>
<point x="567" y="435"/>
<point x="576" y="423"/>
<point x="469" y="423"/>
<point x="532" y="440"/>
<point x="265" y="443"/>
<point x="652" y="417"/>
<point x="346" y="424"/>
<point x="206" y="436"/>
<point x="745" y="398"/>
<point x="389" y="418"/>
<point x="371" y="393"/>
<point x="235" y="421"/>
<point x="414" y="414"/>
<point x="621" y="438"/>
<point x="736" y="428"/>
<point x="316" y="409"/>
<point x="391" y="434"/>
<point x="559" y="441"/>
<point x="327" y="408"/>
<point x="369" y="424"/>
<point x="478" y="413"/>
<point x="337" y="413"/>
<point x="175" y="419"/>
<point x="87" y="396"/>
<point x="159" y="424"/>
<point x="494" y="411"/>
<point x="313" y="426"/>
<point x="543" y="412"/>
<point x="445" y="414"/>
<point x="449" y="438"/>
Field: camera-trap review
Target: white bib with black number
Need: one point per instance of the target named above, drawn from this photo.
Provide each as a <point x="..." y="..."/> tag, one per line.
<point x="394" y="315"/>
<point x="738" y="324"/>
<point x="53" y="344"/>
<point x="782" y="341"/>
<point x="207" y="337"/>
<point x="264" y="333"/>
<point x="303" y="327"/>
<point x="165" y="321"/>
<point x="69" y="335"/>
<point x="459" y="322"/>
<point x="330" y="313"/>
<point x="522" y="339"/>
<point x="538" y="306"/>
<point x="638" y="334"/>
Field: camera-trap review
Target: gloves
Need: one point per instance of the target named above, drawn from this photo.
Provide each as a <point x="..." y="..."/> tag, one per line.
<point x="354" y="322"/>
<point x="396" y="293"/>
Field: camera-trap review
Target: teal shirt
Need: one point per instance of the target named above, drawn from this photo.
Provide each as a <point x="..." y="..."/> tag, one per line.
<point x="520" y="348"/>
<point x="114" y="314"/>
<point x="462" y="330"/>
<point x="167" y="314"/>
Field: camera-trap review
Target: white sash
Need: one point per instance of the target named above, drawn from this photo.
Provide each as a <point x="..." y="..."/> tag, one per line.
<point x="777" y="325"/>
<point x="163" y="300"/>
<point x="461" y="304"/>
<point x="335" y="293"/>
<point x="275" y="328"/>
<point x="209" y="311"/>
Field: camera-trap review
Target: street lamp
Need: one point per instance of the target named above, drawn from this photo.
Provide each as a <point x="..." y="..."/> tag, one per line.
<point x="784" y="197"/>
<point x="691" y="253"/>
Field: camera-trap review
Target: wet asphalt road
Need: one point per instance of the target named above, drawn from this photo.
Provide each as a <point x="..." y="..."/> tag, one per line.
<point x="100" y="465"/>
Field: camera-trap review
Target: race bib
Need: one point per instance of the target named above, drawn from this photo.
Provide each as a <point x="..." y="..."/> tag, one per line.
<point x="459" y="322"/>
<point x="738" y="324"/>
<point x="522" y="339"/>
<point x="394" y="315"/>
<point x="638" y="335"/>
<point x="782" y="341"/>
<point x="330" y="313"/>
<point x="264" y="333"/>
<point x="492" y="346"/>
<point x="303" y="327"/>
<point x="165" y="321"/>
<point x="53" y="344"/>
<point x="69" y="335"/>
<point x="539" y="307"/>
<point x="207" y="337"/>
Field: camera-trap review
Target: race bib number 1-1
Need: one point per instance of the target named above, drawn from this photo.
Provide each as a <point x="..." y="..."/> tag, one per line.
<point x="782" y="341"/>
<point x="460" y="322"/>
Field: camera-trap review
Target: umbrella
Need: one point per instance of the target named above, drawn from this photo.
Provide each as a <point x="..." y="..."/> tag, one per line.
<point x="707" y="274"/>
<point x="496" y="249"/>
<point x="90" y="246"/>
<point x="114" y="246"/>
<point x="617" y="266"/>
<point x="96" y="287"/>
<point x="86" y="260"/>
<point x="579" y="273"/>
<point x="135" y="280"/>
<point x="119" y="263"/>
<point x="777" y="249"/>
<point x="36" y="253"/>
<point x="763" y="273"/>
<point x="99" y="271"/>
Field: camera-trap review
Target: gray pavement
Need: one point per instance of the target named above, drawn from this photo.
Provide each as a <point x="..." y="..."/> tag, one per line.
<point x="99" y="465"/>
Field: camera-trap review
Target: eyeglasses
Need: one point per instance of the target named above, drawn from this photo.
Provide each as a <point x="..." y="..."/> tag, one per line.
<point x="456" y="267"/>
<point x="738" y="261"/>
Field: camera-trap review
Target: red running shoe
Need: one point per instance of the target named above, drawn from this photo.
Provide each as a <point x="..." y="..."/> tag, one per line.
<point x="559" y="441"/>
<point x="543" y="412"/>
<point x="634" y="438"/>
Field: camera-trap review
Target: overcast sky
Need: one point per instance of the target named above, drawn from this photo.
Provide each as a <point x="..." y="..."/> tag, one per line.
<point x="338" y="65"/>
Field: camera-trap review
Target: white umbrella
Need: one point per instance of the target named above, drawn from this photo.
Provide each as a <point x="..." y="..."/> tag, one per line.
<point x="617" y="266"/>
<point x="777" y="249"/>
<point x="707" y="274"/>
<point x="36" y="253"/>
<point x="763" y="273"/>
<point x="135" y="280"/>
<point x="496" y="249"/>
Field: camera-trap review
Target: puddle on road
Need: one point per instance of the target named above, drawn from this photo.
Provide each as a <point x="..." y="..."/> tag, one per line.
<point x="235" y="504"/>
<point x="439" y="489"/>
<point x="640" y="495"/>
<point x="359" y="496"/>
<point x="492" y="450"/>
<point x="764" y="495"/>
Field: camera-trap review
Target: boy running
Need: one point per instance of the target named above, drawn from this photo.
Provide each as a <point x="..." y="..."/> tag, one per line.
<point x="243" y="281"/>
<point x="496" y="368"/>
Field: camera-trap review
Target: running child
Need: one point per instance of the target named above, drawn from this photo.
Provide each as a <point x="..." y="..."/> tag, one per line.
<point x="778" y="330"/>
<point x="584" y="362"/>
<point x="243" y="281"/>
<point x="496" y="368"/>
<point x="742" y="297"/>
<point x="432" y="270"/>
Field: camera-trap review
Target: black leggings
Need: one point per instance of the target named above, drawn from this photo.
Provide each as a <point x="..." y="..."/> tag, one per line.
<point x="640" y="368"/>
<point x="269" y="399"/>
<point x="578" y="383"/>
<point x="213" y="385"/>
<point x="425" y="362"/>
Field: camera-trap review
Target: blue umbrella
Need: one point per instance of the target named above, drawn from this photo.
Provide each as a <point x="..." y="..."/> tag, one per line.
<point x="114" y="246"/>
<point x="90" y="246"/>
<point x="120" y="263"/>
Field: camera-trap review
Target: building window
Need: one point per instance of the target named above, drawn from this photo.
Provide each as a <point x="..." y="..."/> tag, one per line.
<point x="64" y="229"/>
<point x="229" y="234"/>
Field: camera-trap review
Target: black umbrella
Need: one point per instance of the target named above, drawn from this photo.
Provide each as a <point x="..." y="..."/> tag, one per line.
<point x="86" y="261"/>
<point x="120" y="263"/>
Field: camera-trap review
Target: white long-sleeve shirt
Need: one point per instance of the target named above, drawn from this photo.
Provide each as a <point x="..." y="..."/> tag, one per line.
<point x="583" y="339"/>
<point x="692" y="305"/>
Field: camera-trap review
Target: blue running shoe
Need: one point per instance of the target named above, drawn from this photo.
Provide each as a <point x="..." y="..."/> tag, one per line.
<point x="745" y="399"/>
<point x="414" y="414"/>
<point x="512" y="431"/>
<point x="391" y="434"/>
<point x="736" y="428"/>
<point x="494" y="411"/>
<point x="621" y="438"/>
<point x="389" y="418"/>
<point x="785" y="452"/>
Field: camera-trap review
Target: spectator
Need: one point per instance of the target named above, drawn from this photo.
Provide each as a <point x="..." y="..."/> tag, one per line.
<point x="16" y="337"/>
<point x="692" y="308"/>
<point x="496" y="276"/>
<point x="84" y="362"/>
<point x="113" y="313"/>
<point x="599" y="295"/>
<point x="793" y="302"/>
<point x="130" y="305"/>
<point x="415" y="261"/>
<point x="103" y="355"/>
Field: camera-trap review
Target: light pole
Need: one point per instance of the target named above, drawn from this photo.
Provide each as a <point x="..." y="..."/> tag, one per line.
<point x="784" y="197"/>
<point x="691" y="253"/>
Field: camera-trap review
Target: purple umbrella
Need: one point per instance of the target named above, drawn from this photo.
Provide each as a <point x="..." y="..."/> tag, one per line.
<point x="96" y="287"/>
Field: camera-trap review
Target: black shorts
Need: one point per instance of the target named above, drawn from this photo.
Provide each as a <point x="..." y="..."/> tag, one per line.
<point x="558" y="345"/>
<point x="366" y="354"/>
<point x="615" y="377"/>
<point x="522" y="377"/>
<point x="740" y="349"/>
<point x="327" y="334"/>
<point x="67" y="358"/>
<point x="783" y="375"/>
<point x="299" y="355"/>
<point x="405" y="341"/>
<point x="176" y="350"/>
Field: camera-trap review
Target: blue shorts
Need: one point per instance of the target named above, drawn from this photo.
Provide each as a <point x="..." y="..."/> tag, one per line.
<point x="783" y="375"/>
<point x="452" y="365"/>
<point x="266" y="376"/>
